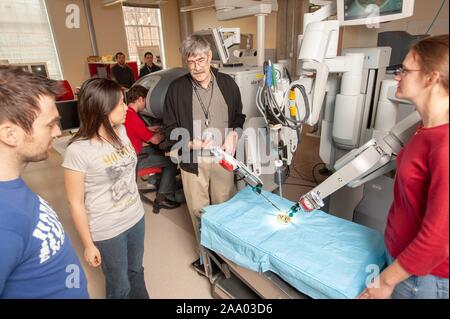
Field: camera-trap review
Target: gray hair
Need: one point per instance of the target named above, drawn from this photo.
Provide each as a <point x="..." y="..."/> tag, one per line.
<point x="194" y="45"/>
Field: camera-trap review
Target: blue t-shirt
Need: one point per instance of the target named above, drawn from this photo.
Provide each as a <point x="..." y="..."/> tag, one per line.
<point x="37" y="259"/>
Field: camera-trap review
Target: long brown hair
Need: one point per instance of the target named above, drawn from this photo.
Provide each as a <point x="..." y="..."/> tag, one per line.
<point x="97" y="99"/>
<point x="432" y="54"/>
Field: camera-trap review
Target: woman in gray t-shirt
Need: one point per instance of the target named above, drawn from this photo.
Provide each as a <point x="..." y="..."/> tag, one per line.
<point x="99" y="173"/>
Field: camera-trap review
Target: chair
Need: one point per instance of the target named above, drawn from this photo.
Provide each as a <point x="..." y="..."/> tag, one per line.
<point x="143" y="172"/>
<point x="67" y="94"/>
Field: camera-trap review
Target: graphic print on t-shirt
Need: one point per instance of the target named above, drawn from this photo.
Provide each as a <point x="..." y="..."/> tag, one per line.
<point x="121" y="168"/>
<point x="49" y="230"/>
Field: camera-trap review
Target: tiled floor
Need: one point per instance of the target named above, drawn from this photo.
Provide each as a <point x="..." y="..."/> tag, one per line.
<point x="169" y="239"/>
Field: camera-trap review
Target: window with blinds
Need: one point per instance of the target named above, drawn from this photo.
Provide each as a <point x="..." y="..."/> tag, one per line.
<point x="26" y="36"/>
<point x="144" y="33"/>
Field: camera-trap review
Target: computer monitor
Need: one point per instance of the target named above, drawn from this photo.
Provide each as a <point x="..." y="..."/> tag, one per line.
<point x="24" y="68"/>
<point x="400" y="42"/>
<point x="68" y="110"/>
<point x="361" y="12"/>
<point x="39" y="69"/>
<point x="220" y="52"/>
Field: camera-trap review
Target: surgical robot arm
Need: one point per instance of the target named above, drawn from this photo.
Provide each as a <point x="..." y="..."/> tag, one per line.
<point x="369" y="161"/>
<point x="233" y="165"/>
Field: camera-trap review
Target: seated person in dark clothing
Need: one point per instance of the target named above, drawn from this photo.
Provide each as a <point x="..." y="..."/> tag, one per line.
<point x="150" y="155"/>
<point x="121" y="72"/>
<point x="149" y="66"/>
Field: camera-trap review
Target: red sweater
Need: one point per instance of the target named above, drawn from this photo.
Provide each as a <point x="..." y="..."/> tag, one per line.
<point x="137" y="131"/>
<point x="417" y="226"/>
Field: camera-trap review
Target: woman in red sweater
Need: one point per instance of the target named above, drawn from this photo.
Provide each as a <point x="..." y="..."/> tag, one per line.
<point x="417" y="228"/>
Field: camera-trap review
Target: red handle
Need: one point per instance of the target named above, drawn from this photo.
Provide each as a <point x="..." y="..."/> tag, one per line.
<point x="226" y="165"/>
<point x="306" y="205"/>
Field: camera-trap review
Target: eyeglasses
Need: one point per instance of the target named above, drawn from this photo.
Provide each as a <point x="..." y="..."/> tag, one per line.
<point x="200" y="62"/>
<point x="403" y="71"/>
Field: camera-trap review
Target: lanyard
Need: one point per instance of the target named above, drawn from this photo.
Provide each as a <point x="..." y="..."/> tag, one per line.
<point x="205" y="110"/>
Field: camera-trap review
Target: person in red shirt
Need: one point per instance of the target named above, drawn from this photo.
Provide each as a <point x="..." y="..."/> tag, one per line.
<point x="416" y="234"/>
<point x="150" y="155"/>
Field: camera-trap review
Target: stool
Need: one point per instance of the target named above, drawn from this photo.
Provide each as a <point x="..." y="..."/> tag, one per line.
<point x="146" y="171"/>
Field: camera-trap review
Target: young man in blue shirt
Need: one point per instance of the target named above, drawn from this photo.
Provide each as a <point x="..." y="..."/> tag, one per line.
<point x="37" y="258"/>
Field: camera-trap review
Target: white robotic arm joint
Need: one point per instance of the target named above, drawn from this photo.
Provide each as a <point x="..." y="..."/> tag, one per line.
<point x="363" y="164"/>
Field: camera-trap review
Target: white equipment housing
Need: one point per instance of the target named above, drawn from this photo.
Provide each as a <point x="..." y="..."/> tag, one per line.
<point x="221" y="43"/>
<point x="374" y="69"/>
<point x="232" y="9"/>
<point x="351" y="119"/>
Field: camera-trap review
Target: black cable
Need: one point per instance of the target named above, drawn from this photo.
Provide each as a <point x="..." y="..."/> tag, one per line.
<point x="313" y="172"/>
<point x="288" y="74"/>
<point x="288" y="172"/>
<point x="299" y="134"/>
<point x="301" y="175"/>
<point x="272" y="111"/>
<point x="269" y="100"/>
<point x="302" y="90"/>
<point x="266" y="63"/>
<point x="279" y="115"/>
<point x="435" y="16"/>
<point x="305" y="99"/>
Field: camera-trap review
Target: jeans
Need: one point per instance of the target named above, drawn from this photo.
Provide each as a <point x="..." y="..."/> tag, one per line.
<point x="420" y="287"/>
<point x="152" y="157"/>
<point x="122" y="259"/>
